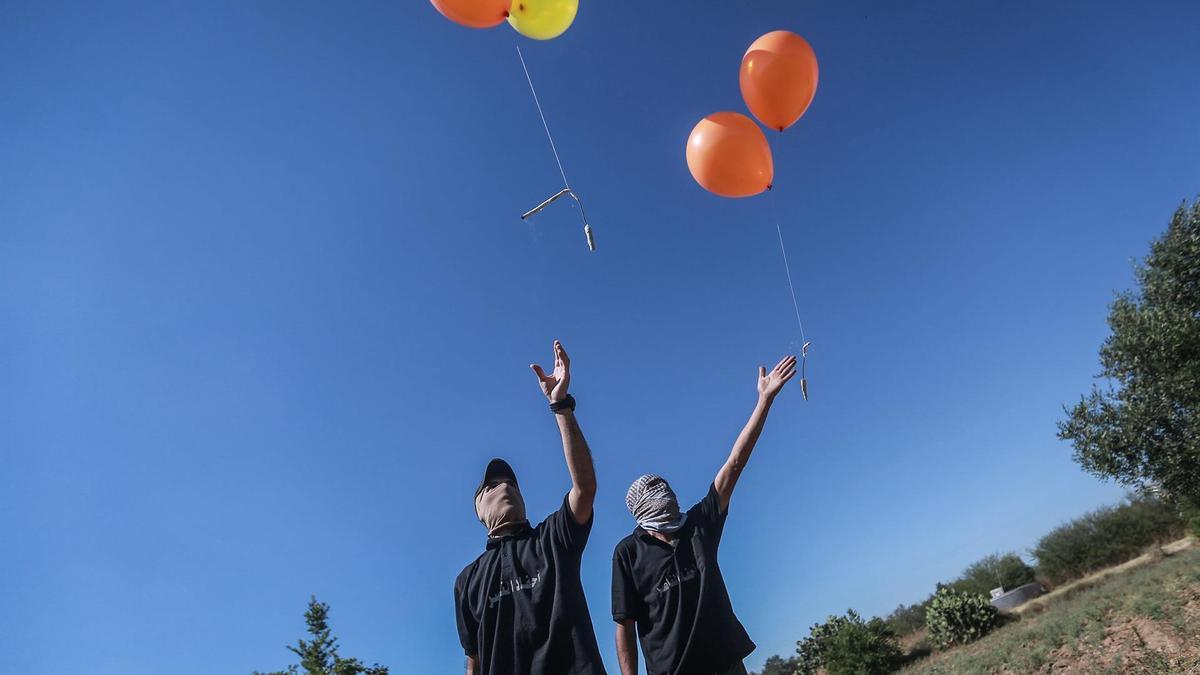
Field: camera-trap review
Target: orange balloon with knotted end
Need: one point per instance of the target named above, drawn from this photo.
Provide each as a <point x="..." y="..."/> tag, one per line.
<point x="779" y="78"/>
<point x="474" y="13"/>
<point x="728" y="155"/>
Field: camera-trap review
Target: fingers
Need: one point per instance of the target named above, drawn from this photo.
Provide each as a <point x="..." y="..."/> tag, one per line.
<point x="561" y="354"/>
<point x="786" y="368"/>
<point x="787" y="375"/>
<point x="537" y="370"/>
<point x="762" y="372"/>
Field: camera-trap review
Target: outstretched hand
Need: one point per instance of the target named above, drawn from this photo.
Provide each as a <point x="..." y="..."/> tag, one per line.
<point x="554" y="385"/>
<point x="770" y="383"/>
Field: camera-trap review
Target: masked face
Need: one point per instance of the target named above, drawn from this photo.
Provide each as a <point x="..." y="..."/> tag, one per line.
<point x="498" y="505"/>
<point x="653" y="504"/>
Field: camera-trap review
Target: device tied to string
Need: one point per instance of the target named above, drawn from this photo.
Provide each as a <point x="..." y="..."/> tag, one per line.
<point x="566" y="191"/>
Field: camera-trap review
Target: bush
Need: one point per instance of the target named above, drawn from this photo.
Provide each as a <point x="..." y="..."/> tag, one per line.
<point x="847" y="645"/>
<point x="1106" y="536"/>
<point x="956" y="618"/>
<point x="1006" y="571"/>
<point x="778" y="666"/>
<point x="908" y="619"/>
<point x="1191" y="514"/>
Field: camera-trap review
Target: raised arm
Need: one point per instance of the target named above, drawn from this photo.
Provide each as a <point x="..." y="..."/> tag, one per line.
<point x="575" y="447"/>
<point x="472" y="666"/>
<point x="769" y="384"/>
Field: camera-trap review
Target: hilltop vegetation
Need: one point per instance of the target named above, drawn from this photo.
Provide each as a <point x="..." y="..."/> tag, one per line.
<point x="1104" y="537"/>
<point x="1144" y="621"/>
<point x="1140" y="427"/>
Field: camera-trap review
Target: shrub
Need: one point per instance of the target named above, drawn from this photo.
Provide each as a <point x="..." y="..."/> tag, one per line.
<point x="956" y="618"/>
<point x="778" y="666"/>
<point x="908" y="619"/>
<point x="1191" y="513"/>
<point x="1007" y="571"/>
<point x="996" y="570"/>
<point x="1106" y="536"/>
<point x="847" y="645"/>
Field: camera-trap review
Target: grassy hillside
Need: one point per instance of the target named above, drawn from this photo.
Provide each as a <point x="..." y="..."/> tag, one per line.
<point x="1146" y="620"/>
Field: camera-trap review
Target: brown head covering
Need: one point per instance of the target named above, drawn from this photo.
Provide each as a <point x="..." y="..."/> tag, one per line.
<point x="500" y="506"/>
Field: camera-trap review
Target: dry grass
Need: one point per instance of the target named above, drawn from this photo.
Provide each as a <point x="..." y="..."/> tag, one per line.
<point x="1041" y="603"/>
<point x="1142" y="617"/>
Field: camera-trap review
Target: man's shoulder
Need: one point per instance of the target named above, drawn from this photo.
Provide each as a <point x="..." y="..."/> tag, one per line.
<point x="464" y="577"/>
<point x="627" y="545"/>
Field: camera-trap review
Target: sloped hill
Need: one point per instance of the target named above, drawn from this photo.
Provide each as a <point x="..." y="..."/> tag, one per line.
<point x="1141" y="619"/>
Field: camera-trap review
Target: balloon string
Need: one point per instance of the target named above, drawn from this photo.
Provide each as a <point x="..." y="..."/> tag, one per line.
<point x="541" y="114"/>
<point x="788" y="269"/>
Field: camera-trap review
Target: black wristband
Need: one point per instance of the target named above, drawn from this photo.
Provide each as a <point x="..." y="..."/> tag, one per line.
<point x="564" y="405"/>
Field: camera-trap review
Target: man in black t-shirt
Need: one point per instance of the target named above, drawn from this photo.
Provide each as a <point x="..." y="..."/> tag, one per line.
<point x="667" y="585"/>
<point x="520" y="606"/>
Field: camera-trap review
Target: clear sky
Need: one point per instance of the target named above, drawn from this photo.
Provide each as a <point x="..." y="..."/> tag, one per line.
<point x="267" y="307"/>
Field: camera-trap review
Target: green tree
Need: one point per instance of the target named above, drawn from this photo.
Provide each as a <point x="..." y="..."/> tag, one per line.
<point x="847" y="645"/>
<point x="319" y="656"/>
<point x="1006" y="571"/>
<point x="1191" y="514"/>
<point x="1143" y="428"/>
<point x="908" y="619"/>
<point x="1106" y="536"/>
<point x="778" y="666"/>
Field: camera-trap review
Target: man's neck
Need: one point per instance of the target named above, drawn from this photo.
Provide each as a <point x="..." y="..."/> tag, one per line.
<point x="661" y="536"/>
<point x="511" y="528"/>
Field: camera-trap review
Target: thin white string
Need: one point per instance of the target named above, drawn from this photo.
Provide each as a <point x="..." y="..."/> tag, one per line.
<point x="542" y="115"/>
<point x="788" y="269"/>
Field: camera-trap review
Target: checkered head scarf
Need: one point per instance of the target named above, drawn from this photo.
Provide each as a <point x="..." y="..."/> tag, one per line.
<point x="654" y="505"/>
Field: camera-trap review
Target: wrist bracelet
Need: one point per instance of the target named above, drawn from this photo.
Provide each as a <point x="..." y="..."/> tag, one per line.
<point x="564" y="405"/>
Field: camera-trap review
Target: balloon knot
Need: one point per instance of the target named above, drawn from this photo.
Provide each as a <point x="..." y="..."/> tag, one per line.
<point x="770" y="186"/>
<point x="506" y="14"/>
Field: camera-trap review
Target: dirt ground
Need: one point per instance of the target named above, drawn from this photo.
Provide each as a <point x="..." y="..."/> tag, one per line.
<point x="1140" y="620"/>
<point x="1137" y="646"/>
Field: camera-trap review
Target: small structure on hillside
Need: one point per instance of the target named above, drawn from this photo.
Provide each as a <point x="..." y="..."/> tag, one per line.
<point x="1005" y="601"/>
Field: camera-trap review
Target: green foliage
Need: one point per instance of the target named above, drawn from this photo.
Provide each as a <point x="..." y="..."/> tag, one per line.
<point x="956" y="617"/>
<point x="1143" y="429"/>
<point x="908" y="619"/>
<point x="1075" y="627"/>
<point x="994" y="571"/>
<point x="778" y="666"/>
<point x="847" y="645"/>
<point x="1191" y="516"/>
<point x="319" y="656"/>
<point x="1106" y="536"/>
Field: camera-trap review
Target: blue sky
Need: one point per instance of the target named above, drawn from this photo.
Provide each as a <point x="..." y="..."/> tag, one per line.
<point x="268" y="306"/>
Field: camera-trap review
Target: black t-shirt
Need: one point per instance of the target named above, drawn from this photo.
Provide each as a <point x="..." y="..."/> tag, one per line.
<point x="520" y="605"/>
<point x="677" y="596"/>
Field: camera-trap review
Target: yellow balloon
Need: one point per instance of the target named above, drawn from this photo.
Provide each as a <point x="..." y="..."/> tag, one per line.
<point x="542" y="19"/>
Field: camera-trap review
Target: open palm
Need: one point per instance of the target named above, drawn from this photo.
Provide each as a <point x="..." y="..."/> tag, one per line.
<point x="770" y="383"/>
<point x="554" y="385"/>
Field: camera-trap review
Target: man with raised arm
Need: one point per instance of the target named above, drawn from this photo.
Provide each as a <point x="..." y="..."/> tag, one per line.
<point x="520" y="605"/>
<point x="667" y="587"/>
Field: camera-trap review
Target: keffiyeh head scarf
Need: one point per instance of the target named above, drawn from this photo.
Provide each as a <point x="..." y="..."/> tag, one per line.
<point x="654" y="505"/>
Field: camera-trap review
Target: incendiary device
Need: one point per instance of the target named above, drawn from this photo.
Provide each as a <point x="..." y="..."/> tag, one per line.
<point x="587" y="229"/>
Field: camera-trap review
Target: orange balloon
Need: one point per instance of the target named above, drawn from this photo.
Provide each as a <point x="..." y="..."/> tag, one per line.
<point x="728" y="155"/>
<point x="778" y="78"/>
<point x="474" y="13"/>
